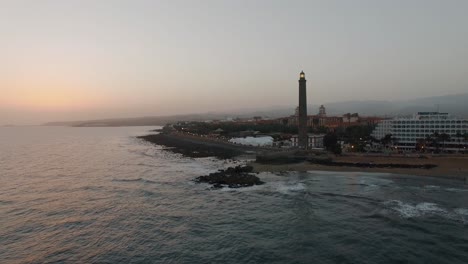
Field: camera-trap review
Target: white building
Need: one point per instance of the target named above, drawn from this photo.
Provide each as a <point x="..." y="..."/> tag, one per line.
<point x="383" y="128"/>
<point x="313" y="141"/>
<point x="407" y="131"/>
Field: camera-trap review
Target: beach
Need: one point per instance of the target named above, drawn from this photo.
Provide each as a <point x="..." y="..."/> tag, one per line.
<point x="449" y="167"/>
<point x="455" y="167"/>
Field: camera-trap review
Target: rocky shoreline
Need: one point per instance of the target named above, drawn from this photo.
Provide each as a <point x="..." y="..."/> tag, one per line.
<point x="271" y="161"/>
<point x="194" y="148"/>
<point x="233" y="177"/>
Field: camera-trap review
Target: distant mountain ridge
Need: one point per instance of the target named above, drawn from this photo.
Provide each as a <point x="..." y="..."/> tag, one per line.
<point x="453" y="104"/>
<point x="456" y="105"/>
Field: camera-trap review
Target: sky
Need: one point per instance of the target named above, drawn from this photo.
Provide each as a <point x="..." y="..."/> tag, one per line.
<point x="90" y="59"/>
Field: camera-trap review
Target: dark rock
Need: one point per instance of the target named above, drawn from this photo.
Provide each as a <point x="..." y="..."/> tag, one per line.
<point x="290" y="156"/>
<point x="233" y="177"/>
<point x="193" y="148"/>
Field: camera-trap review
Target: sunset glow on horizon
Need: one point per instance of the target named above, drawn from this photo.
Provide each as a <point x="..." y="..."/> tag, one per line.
<point x="129" y="58"/>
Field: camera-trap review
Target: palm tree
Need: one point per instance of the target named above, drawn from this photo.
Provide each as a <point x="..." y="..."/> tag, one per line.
<point x="459" y="138"/>
<point x="444" y="137"/>
<point x="421" y="144"/>
<point x="394" y="141"/>
<point x="465" y="139"/>
<point x="436" y="140"/>
<point x="387" y="139"/>
<point x="429" y="140"/>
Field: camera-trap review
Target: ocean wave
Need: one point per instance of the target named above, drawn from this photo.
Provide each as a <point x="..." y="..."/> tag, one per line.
<point x="134" y="180"/>
<point x="337" y="173"/>
<point x="407" y="210"/>
<point x="151" y="165"/>
<point x="276" y="187"/>
<point x="350" y="173"/>
<point x="5" y="202"/>
<point x="462" y="214"/>
<point x="288" y="188"/>
<point x="449" y="189"/>
<point x="461" y="211"/>
<point x="455" y="190"/>
<point x="348" y="196"/>
<point x="368" y="186"/>
<point x="431" y="187"/>
<point x="359" y="184"/>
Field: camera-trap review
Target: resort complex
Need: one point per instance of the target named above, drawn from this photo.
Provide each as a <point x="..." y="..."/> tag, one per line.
<point x="430" y="130"/>
<point x="422" y="132"/>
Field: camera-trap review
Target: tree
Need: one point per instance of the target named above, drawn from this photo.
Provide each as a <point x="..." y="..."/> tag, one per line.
<point x="421" y="144"/>
<point x="430" y="141"/>
<point x="444" y="137"/>
<point x="330" y="142"/>
<point x="459" y="137"/>
<point x="465" y="139"/>
<point x="337" y="149"/>
<point x="436" y="140"/>
<point x="387" y="139"/>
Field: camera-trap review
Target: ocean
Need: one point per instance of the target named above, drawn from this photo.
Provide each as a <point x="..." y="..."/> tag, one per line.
<point x="101" y="195"/>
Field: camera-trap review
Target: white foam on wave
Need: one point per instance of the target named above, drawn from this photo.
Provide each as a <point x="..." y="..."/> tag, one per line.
<point x="289" y="188"/>
<point x="461" y="214"/>
<point x="450" y="189"/>
<point x="283" y="187"/>
<point x="337" y="173"/>
<point x="351" y="173"/>
<point x="243" y="189"/>
<point x="407" y="210"/>
<point x="206" y="165"/>
<point x="461" y="211"/>
<point x="456" y="190"/>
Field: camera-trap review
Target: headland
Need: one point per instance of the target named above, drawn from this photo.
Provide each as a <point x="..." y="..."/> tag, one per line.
<point x="445" y="166"/>
<point x="198" y="146"/>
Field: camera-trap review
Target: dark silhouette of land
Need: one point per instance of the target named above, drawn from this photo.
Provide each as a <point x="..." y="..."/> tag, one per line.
<point x="454" y="104"/>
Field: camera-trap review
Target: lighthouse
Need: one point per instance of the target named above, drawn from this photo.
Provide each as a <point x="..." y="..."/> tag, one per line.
<point x="303" y="138"/>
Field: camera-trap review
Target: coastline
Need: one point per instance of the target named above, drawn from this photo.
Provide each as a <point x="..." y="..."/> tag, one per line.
<point x="450" y="167"/>
<point x="447" y="167"/>
<point x="197" y="147"/>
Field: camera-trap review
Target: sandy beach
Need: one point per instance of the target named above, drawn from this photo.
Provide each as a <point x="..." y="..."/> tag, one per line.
<point x="449" y="167"/>
<point x="455" y="167"/>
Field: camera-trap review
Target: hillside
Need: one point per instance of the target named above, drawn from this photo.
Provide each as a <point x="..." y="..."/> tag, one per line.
<point x="454" y="104"/>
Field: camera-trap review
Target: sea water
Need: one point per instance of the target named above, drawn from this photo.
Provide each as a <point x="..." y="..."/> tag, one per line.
<point x="101" y="195"/>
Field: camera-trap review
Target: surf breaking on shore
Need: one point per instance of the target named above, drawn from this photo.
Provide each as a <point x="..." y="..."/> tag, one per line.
<point x="196" y="147"/>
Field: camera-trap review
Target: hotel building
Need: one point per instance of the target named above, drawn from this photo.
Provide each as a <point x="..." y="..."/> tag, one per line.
<point x="407" y="131"/>
<point x="314" y="141"/>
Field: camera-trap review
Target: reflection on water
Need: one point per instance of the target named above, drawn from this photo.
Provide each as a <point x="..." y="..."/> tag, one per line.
<point x="97" y="195"/>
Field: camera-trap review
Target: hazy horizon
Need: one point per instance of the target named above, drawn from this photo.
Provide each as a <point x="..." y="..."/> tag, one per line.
<point x="81" y="60"/>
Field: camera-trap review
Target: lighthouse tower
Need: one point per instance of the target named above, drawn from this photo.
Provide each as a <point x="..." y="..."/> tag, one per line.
<point x="303" y="138"/>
